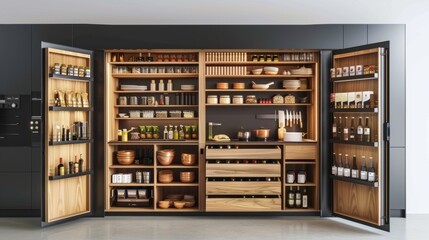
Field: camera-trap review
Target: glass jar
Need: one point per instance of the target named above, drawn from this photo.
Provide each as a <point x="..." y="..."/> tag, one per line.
<point x="57" y="68"/>
<point x="145" y="70"/>
<point x="225" y="99"/>
<point x="70" y="71"/>
<point x="302" y="177"/>
<point x="251" y="99"/>
<point x="212" y="99"/>
<point x="87" y="72"/>
<point x="237" y="99"/>
<point x="170" y="69"/>
<point x="290" y="176"/>
<point x="161" y="69"/>
<point x="133" y="100"/>
<point x="153" y="70"/>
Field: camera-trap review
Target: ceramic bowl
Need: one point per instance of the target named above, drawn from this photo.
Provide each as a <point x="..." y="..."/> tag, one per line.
<point x="188" y="159"/>
<point x="165" y="160"/>
<point x="187" y="177"/>
<point x="257" y="71"/>
<point x="179" y="204"/>
<point x="164" y="204"/>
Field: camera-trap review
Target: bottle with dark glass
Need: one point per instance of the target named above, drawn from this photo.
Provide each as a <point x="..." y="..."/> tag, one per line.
<point x="334" y="170"/>
<point x="355" y="170"/>
<point x="298" y="198"/>
<point x="81" y="163"/>
<point x="340" y="128"/>
<point x="367" y="131"/>
<point x="347" y="167"/>
<point x="352" y="130"/>
<point x="61" y="168"/>
<point x="340" y="166"/>
<point x="334" y="128"/>
<point x="363" y="170"/>
<point x="371" y="171"/>
<point x="346" y="130"/>
<point x="304" y="198"/>
<point x="360" y="130"/>
<point x="291" y="198"/>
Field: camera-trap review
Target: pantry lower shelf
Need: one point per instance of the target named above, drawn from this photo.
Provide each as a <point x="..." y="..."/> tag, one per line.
<point x="70" y="175"/>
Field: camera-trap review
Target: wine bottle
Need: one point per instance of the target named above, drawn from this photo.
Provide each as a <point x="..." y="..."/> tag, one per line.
<point x="363" y="170"/>
<point x="371" y="171"/>
<point x="304" y="199"/>
<point x="340" y="129"/>
<point x="71" y="167"/>
<point x="334" y="128"/>
<point x="367" y="131"/>
<point x="360" y="130"/>
<point x="346" y="130"/>
<point x="81" y="163"/>
<point x="61" y="168"/>
<point x="298" y="198"/>
<point x="75" y="165"/>
<point x="352" y="130"/>
<point x="340" y="166"/>
<point x="165" y="133"/>
<point x="334" y="170"/>
<point x="347" y="167"/>
<point x="291" y="198"/>
<point x="355" y="170"/>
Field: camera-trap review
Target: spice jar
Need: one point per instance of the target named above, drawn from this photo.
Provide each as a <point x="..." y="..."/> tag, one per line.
<point x="70" y="70"/>
<point x="212" y="99"/>
<point x="75" y="71"/>
<point x="133" y="100"/>
<point x="87" y="72"/>
<point x="302" y="177"/>
<point x="237" y="99"/>
<point x="225" y="99"/>
<point x="251" y="99"/>
<point x="122" y="100"/>
<point x="56" y="69"/>
<point x="290" y="176"/>
<point x="82" y="71"/>
<point x="276" y="58"/>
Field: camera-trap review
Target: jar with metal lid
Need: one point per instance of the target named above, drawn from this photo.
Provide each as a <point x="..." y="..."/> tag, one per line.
<point x="237" y="99"/>
<point x="302" y="177"/>
<point x="212" y="99"/>
<point x="70" y="71"/>
<point x="276" y="58"/>
<point x="290" y="176"/>
<point x="133" y="100"/>
<point x="225" y="99"/>
<point x="251" y="99"/>
<point x="122" y="100"/>
<point x="82" y="71"/>
<point x="75" y="71"/>
<point x="87" y="72"/>
<point x="56" y="68"/>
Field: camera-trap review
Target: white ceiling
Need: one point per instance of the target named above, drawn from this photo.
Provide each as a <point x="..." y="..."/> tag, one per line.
<point x="210" y="11"/>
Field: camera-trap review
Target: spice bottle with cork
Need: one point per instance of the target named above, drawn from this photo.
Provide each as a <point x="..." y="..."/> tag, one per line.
<point x="169" y="85"/>
<point x="161" y="85"/>
<point x="152" y="85"/>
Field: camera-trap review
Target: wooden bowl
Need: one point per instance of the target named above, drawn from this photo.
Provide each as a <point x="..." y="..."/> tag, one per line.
<point x="126" y="152"/>
<point x="179" y="204"/>
<point x="165" y="176"/>
<point x="222" y="85"/>
<point x="165" y="160"/>
<point x="164" y="204"/>
<point x="126" y="157"/>
<point x="188" y="159"/>
<point x="239" y="85"/>
<point x="187" y="177"/>
<point x="189" y="203"/>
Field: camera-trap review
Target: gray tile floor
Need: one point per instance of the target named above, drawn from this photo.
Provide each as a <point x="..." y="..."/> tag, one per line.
<point x="414" y="227"/>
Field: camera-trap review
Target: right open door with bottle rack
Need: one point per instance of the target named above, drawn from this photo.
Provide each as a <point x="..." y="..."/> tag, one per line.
<point x="359" y="107"/>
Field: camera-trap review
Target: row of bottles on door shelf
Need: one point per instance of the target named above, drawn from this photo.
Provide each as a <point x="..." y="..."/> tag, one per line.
<point x="171" y="132"/>
<point x="365" y="99"/>
<point x="70" y="70"/>
<point x="346" y="132"/>
<point x="70" y="168"/>
<point x="63" y="133"/>
<point x="296" y="198"/>
<point x="243" y="179"/>
<point x="69" y="98"/>
<point x="244" y="161"/>
<point x="365" y="174"/>
<point x="160" y="57"/>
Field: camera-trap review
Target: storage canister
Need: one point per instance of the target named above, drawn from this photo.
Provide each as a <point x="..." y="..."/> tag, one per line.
<point x="290" y="176"/>
<point x="225" y="99"/>
<point x="237" y="99"/>
<point x="302" y="177"/>
<point x="212" y="99"/>
<point x="251" y="99"/>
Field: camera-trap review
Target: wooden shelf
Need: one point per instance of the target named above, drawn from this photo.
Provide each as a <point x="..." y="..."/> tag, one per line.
<point x="356" y="78"/>
<point x="152" y="142"/>
<point x="71" y="78"/>
<point x="130" y="209"/>
<point x="258" y="90"/>
<point x="130" y="166"/>
<point x="51" y="143"/>
<point x="177" y="166"/>
<point x="258" y="105"/>
<point x="300" y="162"/>
<point x="309" y="184"/>
<point x="371" y="144"/>
<point x="155" y="106"/>
<point x="301" y="210"/>
<point x="354" y="180"/>
<point x="171" y="118"/>
<point x="70" y="175"/>
<point x="154" y="63"/>
<point x="131" y="184"/>
<point x="152" y="92"/>
<point x="261" y="63"/>
<point x="354" y="110"/>
<point x="177" y="184"/>
<point x="261" y="76"/>
<point x="172" y="209"/>
<point x="157" y="75"/>
<point x="82" y="109"/>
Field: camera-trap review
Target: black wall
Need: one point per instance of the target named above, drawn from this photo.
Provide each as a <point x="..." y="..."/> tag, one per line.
<point x="21" y="62"/>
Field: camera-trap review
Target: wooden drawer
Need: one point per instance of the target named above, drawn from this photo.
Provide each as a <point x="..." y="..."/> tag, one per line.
<point x="243" y="170"/>
<point x="307" y="151"/>
<point x="244" y="153"/>
<point x="243" y="188"/>
<point x="243" y="204"/>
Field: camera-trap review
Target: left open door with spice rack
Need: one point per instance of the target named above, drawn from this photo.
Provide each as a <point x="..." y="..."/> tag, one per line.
<point x="67" y="92"/>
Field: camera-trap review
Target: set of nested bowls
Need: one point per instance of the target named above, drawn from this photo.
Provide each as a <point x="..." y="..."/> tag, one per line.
<point x="187" y="177"/>
<point x="165" y="176"/>
<point x="126" y="157"/>
<point x="188" y="159"/>
<point x="165" y="157"/>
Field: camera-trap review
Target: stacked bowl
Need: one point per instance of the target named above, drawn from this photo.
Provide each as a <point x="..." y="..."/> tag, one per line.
<point x="165" y="176"/>
<point x="126" y="157"/>
<point x="165" y="157"/>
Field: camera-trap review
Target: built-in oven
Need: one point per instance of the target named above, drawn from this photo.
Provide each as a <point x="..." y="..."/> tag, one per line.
<point x="15" y="115"/>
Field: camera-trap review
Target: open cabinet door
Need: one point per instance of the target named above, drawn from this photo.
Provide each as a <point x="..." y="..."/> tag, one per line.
<point x="360" y="134"/>
<point x="67" y="113"/>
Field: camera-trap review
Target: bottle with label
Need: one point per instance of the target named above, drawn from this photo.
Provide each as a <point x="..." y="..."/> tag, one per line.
<point x="334" y="128"/>
<point x="175" y="133"/>
<point x="367" y="131"/>
<point x="61" y="168"/>
<point x="75" y="165"/>
<point x="81" y="163"/>
<point x="170" y="132"/>
<point x="360" y="130"/>
<point x="340" y="168"/>
<point x="346" y="130"/>
<point x="152" y="85"/>
<point x="340" y="129"/>
<point x="355" y="170"/>
<point x="371" y="171"/>
<point x="298" y="198"/>
<point x="124" y="135"/>
<point x="304" y="198"/>
<point x="352" y="130"/>
<point x="161" y="85"/>
<point x="165" y="132"/>
<point x="347" y="167"/>
<point x="363" y="170"/>
<point x="291" y="198"/>
<point x="334" y="166"/>
<point x="169" y="85"/>
<point x="119" y="135"/>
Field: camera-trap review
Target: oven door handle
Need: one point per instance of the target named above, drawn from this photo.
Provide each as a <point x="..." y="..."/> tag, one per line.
<point x="9" y="124"/>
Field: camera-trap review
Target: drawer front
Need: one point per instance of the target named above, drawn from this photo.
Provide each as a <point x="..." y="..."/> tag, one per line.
<point x="243" y="188"/>
<point x="243" y="204"/>
<point x="301" y="151"/>
<point x="244" y="153"/>
<point x="242" y="170"/>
